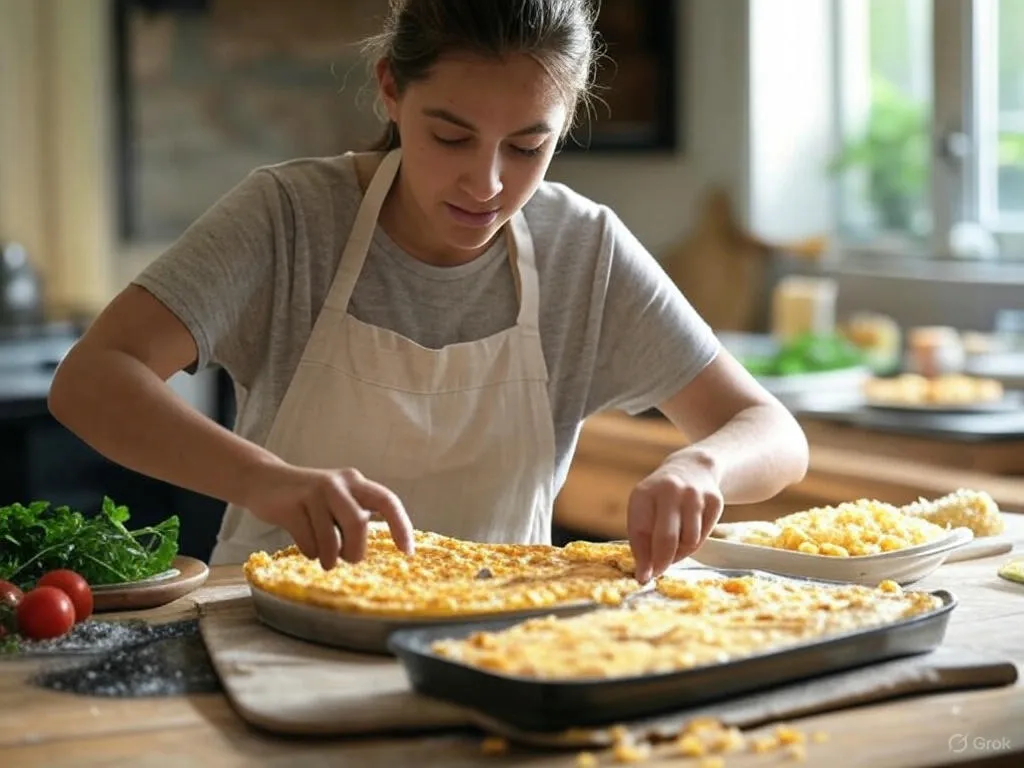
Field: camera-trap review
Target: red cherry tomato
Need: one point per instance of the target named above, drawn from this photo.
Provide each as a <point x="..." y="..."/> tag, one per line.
<point x="10" y="595"/>
<point x="75" y="587"/>
<point x="44" y="613"/>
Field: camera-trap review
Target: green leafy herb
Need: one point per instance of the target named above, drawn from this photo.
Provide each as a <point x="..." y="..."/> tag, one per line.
<point x="808" y="353"/>
<point x="38" y="538"/>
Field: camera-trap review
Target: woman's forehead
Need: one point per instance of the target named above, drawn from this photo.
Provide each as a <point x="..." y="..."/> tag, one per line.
<point x="515" y="92"/>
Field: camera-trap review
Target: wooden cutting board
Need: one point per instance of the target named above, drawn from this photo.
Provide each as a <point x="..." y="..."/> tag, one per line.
<point x="289" y="686"/>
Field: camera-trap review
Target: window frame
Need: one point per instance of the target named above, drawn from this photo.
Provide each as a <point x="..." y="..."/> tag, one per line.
<point x="962" y="98"/>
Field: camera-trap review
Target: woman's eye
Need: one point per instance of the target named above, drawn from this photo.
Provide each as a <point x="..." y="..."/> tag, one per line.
<point x="449" y="142"/>
<point x="528" y="151"/>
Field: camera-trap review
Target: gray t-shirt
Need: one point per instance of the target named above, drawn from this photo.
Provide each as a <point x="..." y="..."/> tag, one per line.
<point x="249" y="277"/>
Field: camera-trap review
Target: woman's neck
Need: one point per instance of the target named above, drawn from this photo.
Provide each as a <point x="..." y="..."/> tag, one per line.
<point x="407" y="225"/>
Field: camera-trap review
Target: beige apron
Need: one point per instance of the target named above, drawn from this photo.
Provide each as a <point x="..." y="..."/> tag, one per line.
<point x="463" y="434"/>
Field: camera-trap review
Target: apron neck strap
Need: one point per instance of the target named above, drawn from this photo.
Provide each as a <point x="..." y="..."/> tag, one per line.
<point x="359" y="239"/>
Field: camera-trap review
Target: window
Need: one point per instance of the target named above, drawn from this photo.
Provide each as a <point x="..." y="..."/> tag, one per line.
<point x="930" y="110"/>
<point x="1000" y="107"/>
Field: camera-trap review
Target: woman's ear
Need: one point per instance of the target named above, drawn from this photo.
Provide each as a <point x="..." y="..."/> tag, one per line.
<point x="388" y="88"/>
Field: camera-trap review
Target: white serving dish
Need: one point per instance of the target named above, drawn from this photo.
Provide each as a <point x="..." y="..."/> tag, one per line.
<point x="902" y="566"/>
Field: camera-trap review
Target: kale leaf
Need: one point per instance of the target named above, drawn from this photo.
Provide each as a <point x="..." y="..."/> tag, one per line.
<point x="38" y="538"/>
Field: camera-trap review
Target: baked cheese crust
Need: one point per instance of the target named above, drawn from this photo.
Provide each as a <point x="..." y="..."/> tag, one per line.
<point x="447" y="577"/>
<point x="689" y="624"/>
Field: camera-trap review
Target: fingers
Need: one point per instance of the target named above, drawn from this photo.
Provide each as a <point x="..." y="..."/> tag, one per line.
<point x="328" y="539"/>
<point x="305" y="538"/>
<point x="640" y="519"/>
<point x="350" y="500"/>
<point x="386" y="503"/>
<point x="666" y="533"/>
<point x="667" y="521"/>
<point x="713" y="507"/>
<point x="690" y="509"/>
<point x="352" y="519"/>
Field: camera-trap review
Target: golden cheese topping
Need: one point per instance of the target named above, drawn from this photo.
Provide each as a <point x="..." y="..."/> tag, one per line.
<point x="851" y="529"/>
<point x="447" y="577"/>
<point x="963" y="508"/>
<point x="690" y="624"/>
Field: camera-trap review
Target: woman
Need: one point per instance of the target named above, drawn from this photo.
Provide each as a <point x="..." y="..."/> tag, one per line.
<point x="417" y="333"/>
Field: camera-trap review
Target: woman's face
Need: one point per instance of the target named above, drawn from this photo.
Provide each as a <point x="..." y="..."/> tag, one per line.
<point x="477" y="138"/>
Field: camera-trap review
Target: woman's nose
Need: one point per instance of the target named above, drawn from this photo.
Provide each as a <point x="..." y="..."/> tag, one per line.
<point x="482" y="180"/>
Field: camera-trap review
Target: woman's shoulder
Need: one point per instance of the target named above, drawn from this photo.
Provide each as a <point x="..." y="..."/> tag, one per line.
<point x="319" y="193"/>
<point x="560" y="217"/>
<point x="558" y="201"/>
<point x="305" y="178"/>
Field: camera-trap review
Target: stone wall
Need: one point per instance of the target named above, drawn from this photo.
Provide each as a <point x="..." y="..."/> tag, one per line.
<point x="251" y="82"/>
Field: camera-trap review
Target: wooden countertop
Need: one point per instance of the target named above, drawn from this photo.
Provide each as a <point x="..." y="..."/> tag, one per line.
<point x="44" y="728"/>
<point x="619" y="449"/>
<point x="615" y="435"/>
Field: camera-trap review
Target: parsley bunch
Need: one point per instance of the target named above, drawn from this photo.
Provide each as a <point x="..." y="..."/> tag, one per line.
<point x="39" y="538"/>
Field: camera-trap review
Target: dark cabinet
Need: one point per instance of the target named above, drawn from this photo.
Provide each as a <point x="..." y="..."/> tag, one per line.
<point x="40" y="460"/>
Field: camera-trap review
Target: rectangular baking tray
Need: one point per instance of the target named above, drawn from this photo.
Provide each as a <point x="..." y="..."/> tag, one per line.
<point x="552" y="705"/>
<point x="366" y="633"/>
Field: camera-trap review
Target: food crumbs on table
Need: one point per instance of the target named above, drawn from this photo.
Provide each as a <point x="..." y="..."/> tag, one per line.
<point x="712" y="762"/>
<point x="819" y="737"/>
<point x="788" y="735"/>
<point x="586" y="760"/>
<point x="689" y="745"/>
<point x="729" y="740"/>
<point x="762" y="744"/>
<point x="627" y="752"/>
<point x="494" y="745"/>
<point x="797" y="752"/>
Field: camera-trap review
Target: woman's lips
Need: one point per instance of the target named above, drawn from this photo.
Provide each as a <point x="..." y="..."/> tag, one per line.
<point x="471" y="219"/>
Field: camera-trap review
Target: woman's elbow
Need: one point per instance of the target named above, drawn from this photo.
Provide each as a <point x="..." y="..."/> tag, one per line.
<point x="62" y="395"/>
<point x="796" y="448"/>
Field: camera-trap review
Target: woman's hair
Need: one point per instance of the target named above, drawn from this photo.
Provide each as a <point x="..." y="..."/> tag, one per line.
<point x="558" y="34"/>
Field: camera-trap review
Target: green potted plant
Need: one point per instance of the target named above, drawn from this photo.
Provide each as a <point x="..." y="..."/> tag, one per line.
<point x="893" y="151"/>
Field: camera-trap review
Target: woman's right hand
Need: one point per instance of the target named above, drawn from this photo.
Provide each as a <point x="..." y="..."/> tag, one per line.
<point x="327" y="511"/>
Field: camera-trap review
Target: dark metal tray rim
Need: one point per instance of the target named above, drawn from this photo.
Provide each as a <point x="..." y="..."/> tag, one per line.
<point x="402" y="642"/>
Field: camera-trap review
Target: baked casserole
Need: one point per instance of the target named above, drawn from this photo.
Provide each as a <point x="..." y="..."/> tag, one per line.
<point x="447" y="577"/>
<point x="687" y="624"/>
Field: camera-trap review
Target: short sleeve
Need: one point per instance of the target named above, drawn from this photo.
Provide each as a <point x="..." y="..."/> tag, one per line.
<point x="652" y="342"/>
<point x="218" y="277"/>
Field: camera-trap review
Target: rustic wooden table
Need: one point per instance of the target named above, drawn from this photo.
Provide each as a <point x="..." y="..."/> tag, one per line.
<point x="43" y="728"/>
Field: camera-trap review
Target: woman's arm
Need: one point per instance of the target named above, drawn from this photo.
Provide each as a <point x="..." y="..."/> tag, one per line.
<point x="751" y="442"/>
<point x="111" y="391"/>
<point x="744" y="447"/>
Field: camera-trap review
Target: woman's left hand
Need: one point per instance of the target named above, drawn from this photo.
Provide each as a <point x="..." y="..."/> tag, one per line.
<point x="671" y="512"/>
